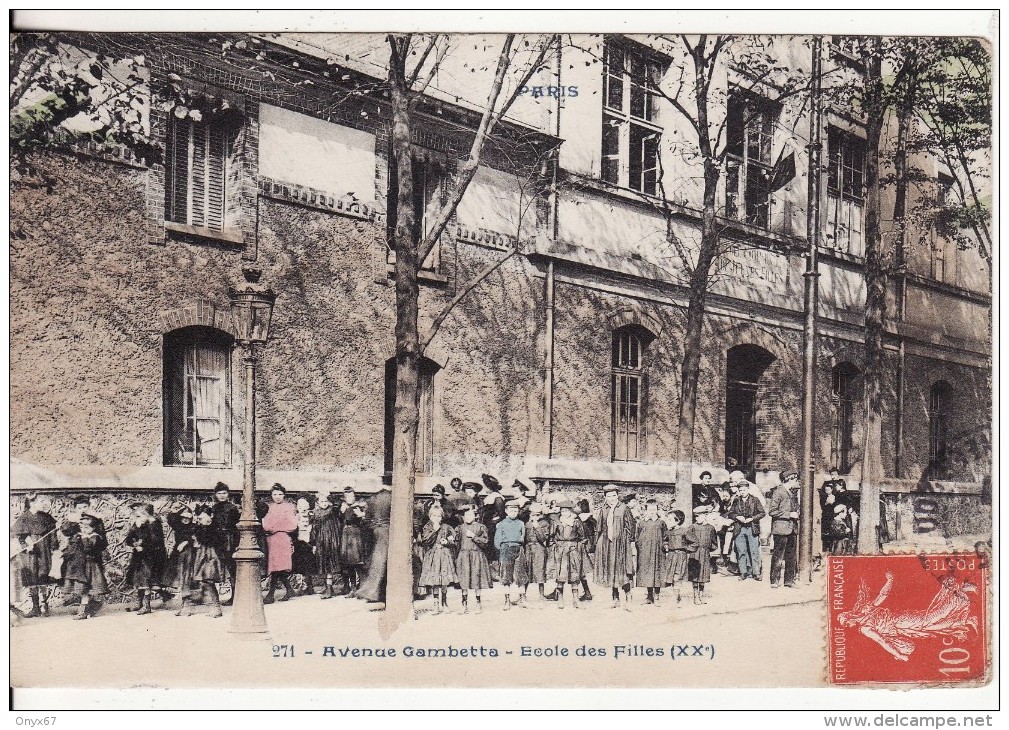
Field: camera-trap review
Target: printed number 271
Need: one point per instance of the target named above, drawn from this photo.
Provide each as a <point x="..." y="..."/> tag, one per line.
<point x="283" y="650"/>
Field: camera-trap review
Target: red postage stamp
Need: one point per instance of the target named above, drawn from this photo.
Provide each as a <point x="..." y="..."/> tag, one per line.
<point x="907" y="618"/>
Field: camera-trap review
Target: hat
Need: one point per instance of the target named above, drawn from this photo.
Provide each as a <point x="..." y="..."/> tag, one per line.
<point x="473" y="485"/>
<point x="583" y="505"/>
<point x="789" y="474"/>
<point x="468" y="508"/>
<point x="491" y="482"/>
<point x="566" y="504"/>
<point x="81" y="499"/>
<point x="743" y="483"/>
<point x="838" y="508"/>
<point x="736" y="476"/>
<point x="221" y="487"/>
<point x="438" y="489"/>
<point x="522" y="487"/>
<point x="512" y="503"/>
<point x="627" y="498"/>
<point x="203" y="510"/>
<point x="611" y="488"/>
<point x="348" y="490"/>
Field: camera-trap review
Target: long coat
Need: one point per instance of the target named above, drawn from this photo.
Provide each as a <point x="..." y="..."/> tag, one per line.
<point x="681" y="545"/>
<point x="326" y="539"/>
<point x="614" y="563"/>
<point x="569" y="557"/>
<point x="280" y="519"/>
<point x="373" y="586"/>
<point x="225" y="516"/>
<point x="699" y="561"/>
<point x="34" y="563"/>
<point x="531" y="564"/>
<point x="438" y="565"/>
<point x="651" y="539"/>
<point x="149" y="559"/>
<point x="471" y="563"/>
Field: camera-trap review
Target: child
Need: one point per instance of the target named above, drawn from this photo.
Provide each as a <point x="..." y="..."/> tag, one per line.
<point x="303" y="561"/>
<point x="589" y="525"/>
<point x="326" y="540"/>
<point x="568" y="556"/>
<point x="651" y="539"/>
<point x="471" y="564"/>
<point x="699" y="560"/>
<point x="280" y="521"/>
<point x="146" y="570"/>
<point x="680" y="546"/>
<point x="86" y="570"/>
<point x="437" y="570"/>
<point x="531" y="566"/>
<point x="35" y="531"/>
<point x="202" y="567"/>
<point x="182" y="526"/>
<point x="353" y="547"/>
<point x="509" y="536"/>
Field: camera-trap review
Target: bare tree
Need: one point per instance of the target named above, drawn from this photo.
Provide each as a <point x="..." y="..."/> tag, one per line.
<point x="407" y="82"/>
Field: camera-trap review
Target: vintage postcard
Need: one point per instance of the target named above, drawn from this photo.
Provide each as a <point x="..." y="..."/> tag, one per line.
<point x="564" y="358"/>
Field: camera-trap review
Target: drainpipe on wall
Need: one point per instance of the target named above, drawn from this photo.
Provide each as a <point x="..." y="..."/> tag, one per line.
<point x="811" y="276"/>
<point x="548" y="385"/>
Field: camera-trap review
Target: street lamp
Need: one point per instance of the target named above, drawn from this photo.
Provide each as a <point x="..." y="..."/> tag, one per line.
<point x="251" y="310"/>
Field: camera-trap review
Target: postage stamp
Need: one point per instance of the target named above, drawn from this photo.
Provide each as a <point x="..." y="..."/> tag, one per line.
<point x="908" y="618"/>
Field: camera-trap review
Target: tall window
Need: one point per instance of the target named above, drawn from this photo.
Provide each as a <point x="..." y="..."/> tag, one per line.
<point x="749" y="132"/>
<point x="844" y="395"/>
<point x="943" y="236"/>
<point x="428" y="185"/>
<point x="630" y="135"/>
<point x="845" y="196"/>
<point x="198" y="160"/>
<point x="197" y="397"/>
<point x="628" y="393"/>
<point x="938" y="428"/>
<point x="745" y="364"/>
<point x="425" y="428"/>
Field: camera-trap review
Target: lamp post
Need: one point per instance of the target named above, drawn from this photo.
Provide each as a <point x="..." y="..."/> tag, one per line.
<point x="251" y="309"/>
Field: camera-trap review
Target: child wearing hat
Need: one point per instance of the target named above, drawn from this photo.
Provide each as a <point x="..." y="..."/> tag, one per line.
<point x="146" y="569"/>
<point x="353" y="545"/>
<point x="651" y="539"/>
<point x="680" y="546"/>
<point x="202" y="567"/>
<point x="704" y="537"/>
<point x="326" y="541"/>
<point x="438" y="570"/>
<point x="569" y="556"/>
<point x="303" y="561"/>
<point x="85" y="574"/>
<point x="531" y="565"/>
<point x="509" y="537"/>
<point x="471" y="564"/>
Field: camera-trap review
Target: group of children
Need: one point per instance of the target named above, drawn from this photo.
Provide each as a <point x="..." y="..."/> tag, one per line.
<point x="461" y="541"/>
<point x="538" y="542"/>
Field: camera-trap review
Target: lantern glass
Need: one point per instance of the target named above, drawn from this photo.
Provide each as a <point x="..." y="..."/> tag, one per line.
<point x="252" y="312"/>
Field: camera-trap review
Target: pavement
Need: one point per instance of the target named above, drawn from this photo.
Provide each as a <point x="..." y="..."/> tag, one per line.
<point x="735" y="639"/>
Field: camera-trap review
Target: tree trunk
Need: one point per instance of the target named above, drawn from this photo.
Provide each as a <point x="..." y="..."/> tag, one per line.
<point x="692" y="340"/>
<point x="875" y="311"/>
<point x="399" y="582"/>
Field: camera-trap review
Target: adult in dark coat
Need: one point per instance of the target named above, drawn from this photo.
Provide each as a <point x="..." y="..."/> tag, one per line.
<point x="614" y="561"/>
<point x="783" y="508"/>
<point x="146" y="569"/>
<point x="182" y="525"/>
<point x="35" y="531"/>
<point x="226" y="514"/>
<point x="493" y="512"/>
<point x="373" y="586"/>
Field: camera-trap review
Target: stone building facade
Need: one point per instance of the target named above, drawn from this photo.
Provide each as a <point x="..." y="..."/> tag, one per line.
<point x="562" y="366"/>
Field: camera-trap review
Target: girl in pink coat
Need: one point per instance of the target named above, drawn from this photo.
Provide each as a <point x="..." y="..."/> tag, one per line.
<point x="280" y="520"/>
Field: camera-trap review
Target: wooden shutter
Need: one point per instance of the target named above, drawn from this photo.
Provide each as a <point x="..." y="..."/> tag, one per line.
<point x="195" y="181"/>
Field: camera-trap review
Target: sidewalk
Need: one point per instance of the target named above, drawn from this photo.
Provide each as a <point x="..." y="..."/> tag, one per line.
<point x="118" y="648"/>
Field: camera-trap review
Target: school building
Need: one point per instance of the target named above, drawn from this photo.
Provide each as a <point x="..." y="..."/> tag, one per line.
<point x="561" y="366"/>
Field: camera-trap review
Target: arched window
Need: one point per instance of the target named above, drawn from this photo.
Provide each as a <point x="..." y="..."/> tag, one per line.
<point x="627" y="393"/>
<point x="425" y="427"/>
<point x="938" y="427"/>
<point x="197" y="397"/>
<point x="844" y="397"/>
<point x="745" y="364"/>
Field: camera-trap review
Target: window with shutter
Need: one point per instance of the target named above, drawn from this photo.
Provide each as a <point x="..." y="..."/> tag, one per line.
<point x="198" y="155"/>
